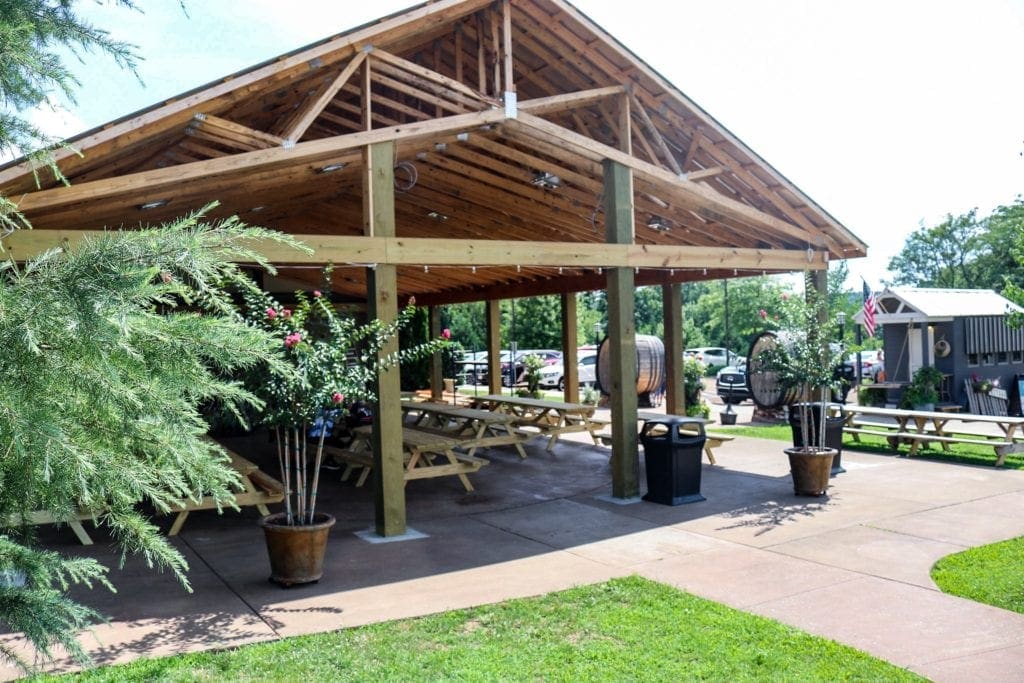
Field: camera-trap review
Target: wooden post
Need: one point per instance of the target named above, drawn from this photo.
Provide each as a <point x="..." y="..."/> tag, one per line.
<point x="494" y="346"/>
<point x="382" y="286"/>
<point x="436" y="360"/>
<point x="672" y="315"/>
<point x="618" y="211"/>
<point x="571" y="392"/>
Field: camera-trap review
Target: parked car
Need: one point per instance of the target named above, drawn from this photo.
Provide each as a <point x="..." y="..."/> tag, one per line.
<point x="586" y="369"/>
<point x="472" y="367"/>
<point x="872" y="363"/>
<point x="731" y="384"/>
<point x="513" y="371"/>
<point x="714" y="356"/>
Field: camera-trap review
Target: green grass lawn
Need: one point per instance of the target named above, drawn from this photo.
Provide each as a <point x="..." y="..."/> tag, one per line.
<point x="988" y="574"/>
<point x="625" y="629"/>
<point x="964" y="453"/>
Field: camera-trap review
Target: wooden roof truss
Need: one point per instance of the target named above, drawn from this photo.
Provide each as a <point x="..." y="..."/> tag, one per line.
<point x="501" y="115"/>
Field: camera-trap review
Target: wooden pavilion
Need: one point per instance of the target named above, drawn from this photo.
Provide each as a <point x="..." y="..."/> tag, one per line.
<point x="461" y="150"/>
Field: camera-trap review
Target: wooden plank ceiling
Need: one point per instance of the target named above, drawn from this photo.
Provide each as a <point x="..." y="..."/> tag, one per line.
<point x="281" y="145"/>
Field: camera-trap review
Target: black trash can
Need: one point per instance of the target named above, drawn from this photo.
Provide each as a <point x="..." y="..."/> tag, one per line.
<point x="673" y="449"/>
<point x="833" y="430"/>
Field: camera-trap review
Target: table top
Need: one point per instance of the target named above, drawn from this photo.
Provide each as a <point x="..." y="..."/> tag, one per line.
<point x="929" y="414"/>
<point x="536" y="403"/>
<point x="459" y="412"/>
<point x="648" y="415"/>
<point x="414" y="438"/>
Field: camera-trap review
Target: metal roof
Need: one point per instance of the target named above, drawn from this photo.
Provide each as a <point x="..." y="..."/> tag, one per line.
<point x="912" y="304"/>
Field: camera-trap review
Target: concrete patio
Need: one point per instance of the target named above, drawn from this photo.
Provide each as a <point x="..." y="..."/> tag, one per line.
<point x="852" y="566"/>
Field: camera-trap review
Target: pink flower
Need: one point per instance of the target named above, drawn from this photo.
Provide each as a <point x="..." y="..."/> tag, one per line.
<point x="337" y="397"/>
<point x="286" y="313"/>
<point x="446" y="333"/>
<point x="317" y="293"/>
<point x="292" y="339"/>
<point x="271" y="313"/>
<point x="785" y="297"/>
<point x="763" y="313"/>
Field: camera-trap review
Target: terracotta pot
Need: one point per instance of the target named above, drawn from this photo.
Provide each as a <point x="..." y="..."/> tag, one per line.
<point x="296" y="552"/>
<point x="810" y="469"/>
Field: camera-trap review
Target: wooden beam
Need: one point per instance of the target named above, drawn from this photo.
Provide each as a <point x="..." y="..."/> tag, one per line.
<point x="582" y="98"/>
<point x="421" y="251"/>
<point x="228" y="132"/>
<point x="506" y="34"/>
<point x="570" y="371"/>
<point x="382" y="286"/>
<point x="494" y="346"/>
<point x="433" y="76"/>
<point x="655" y="134"/>
<point x="618" y="210"/>
<point x="298" y="129"/>
<point x="178" y="111"/>
<point x="703" y="200"/>
<point x="672" y="315"/>
<point x="436" y="358"/>
<point x="313" y="151"/>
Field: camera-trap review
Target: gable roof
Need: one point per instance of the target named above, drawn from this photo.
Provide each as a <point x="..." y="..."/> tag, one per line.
<point x="920" y="304"/>
<point x="471" y="159"/>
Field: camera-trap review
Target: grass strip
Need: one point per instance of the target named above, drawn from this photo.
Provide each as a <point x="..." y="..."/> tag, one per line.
<point x="988" y="574"/>
<point x="625" y="629"/>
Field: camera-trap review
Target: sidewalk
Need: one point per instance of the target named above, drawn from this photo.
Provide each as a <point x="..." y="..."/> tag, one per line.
<point x="852" y="566"/>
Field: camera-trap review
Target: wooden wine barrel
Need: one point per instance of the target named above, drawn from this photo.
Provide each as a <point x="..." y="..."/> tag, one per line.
<point x="650" y="365"/>
<point x="764" y="385"/>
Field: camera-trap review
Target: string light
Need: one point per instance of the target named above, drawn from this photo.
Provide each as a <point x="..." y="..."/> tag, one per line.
<point x="426" y="269"/>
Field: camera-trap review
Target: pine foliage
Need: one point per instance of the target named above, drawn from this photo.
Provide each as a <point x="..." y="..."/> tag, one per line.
<point x="108" y="349"/>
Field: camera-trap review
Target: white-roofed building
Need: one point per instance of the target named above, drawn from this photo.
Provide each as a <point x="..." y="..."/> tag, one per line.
<point x="962" y="332"/>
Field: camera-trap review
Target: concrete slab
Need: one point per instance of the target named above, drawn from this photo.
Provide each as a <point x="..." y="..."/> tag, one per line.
<point x="742" y="577"/>
<point x="873" y="551"/>
<point x="850" y="566"/>
<point x="907" y="625"/>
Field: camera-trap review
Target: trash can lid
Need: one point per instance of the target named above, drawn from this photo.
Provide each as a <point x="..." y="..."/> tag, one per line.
<point x="674" y="424"/>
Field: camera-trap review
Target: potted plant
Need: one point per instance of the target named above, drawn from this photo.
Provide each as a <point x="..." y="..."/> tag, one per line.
<point x="804" y="359"/>
<point x="693" y="386"/>
<point x="923" y="391"/>
<point x="329" y="362"/>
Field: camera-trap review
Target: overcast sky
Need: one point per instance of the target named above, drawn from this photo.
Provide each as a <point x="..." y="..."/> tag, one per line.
<point x="887" y="113"/>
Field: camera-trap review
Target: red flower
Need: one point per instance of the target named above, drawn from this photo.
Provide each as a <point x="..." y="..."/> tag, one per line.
<point x="286" y="313"/>
<point x="271" y="313"/>
<point x="785" y="297"/>
<point x="446" y="333"/>
<point x="292" y="339"/>
<point x="337" y="397"/>
<point x="317" y="293"/>
<point x="763" y="313"/>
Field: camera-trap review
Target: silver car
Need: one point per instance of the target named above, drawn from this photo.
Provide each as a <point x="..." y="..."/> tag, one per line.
<point x="586" y="368"/>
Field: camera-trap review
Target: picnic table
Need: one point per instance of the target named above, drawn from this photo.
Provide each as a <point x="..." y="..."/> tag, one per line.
<point x="471" y="427"/>
<point x="534" y="417"/>
<point x="422" y="454"/>
<point x="926" y="426"/>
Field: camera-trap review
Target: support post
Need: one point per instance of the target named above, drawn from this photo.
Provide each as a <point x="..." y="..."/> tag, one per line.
<point x="571" y="392"/>
<point x="436" y="360"/>
<point x="672" y="315"/>
<point x="618" y="211"/>
<point x="493" y="346"/>
<point x="382" y="286"/>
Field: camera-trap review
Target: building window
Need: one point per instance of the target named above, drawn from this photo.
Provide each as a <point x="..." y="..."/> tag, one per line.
<point x="986" y="359"/>
<point x="1001" y="358"/>
<point x="1017" y="357"/>
<point x="972" y="359"/>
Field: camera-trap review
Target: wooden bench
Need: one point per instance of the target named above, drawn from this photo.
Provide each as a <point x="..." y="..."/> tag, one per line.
<point x="260" y="489"/>
<point x="420" y="449"/>
<point x="896" y="437"/>
<point x="712" y="441"/>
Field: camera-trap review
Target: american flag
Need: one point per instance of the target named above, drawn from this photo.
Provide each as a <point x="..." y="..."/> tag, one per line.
<point x="869" y="310"/>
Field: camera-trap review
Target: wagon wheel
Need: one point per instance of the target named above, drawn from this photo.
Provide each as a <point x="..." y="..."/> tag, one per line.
<point x="762" y="383"/>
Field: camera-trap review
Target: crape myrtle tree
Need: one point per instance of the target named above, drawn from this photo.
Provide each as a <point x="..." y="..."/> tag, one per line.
<point x="107" y="350"/>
